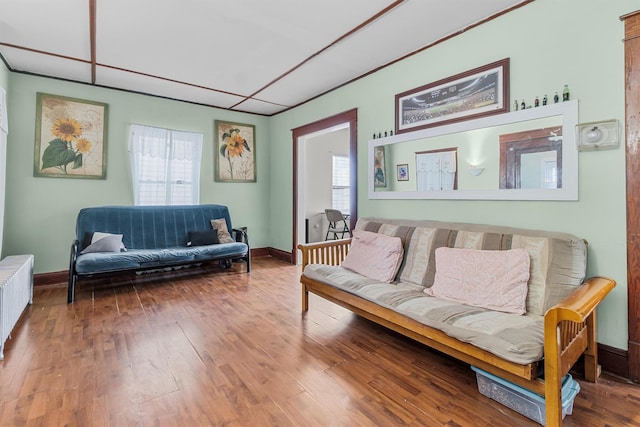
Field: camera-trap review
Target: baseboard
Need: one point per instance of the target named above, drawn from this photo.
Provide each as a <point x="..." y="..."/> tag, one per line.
<point x="54" y="278"/>
<point x="613" y="360"/>
<point x="281" y="255"/>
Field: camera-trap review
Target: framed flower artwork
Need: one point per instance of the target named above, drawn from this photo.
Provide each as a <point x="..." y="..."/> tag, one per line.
<point x="71" y="138"/>
<point x="235" y="152"/>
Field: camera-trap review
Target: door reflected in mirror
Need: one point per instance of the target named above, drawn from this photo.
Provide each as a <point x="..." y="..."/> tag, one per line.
<point x="531" y="159"/>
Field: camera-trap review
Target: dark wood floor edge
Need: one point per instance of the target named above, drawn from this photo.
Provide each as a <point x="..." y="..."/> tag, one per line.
<point x="59" y="277"/>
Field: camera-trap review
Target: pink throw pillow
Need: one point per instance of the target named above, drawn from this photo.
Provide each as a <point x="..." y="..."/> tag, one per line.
<point x="374" y="255"/>
<point x="495" y="280"/>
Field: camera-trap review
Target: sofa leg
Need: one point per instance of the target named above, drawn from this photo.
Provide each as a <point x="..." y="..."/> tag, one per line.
<point x="71" y="288"/>
<point x="305" y="299"/>
<point x="591" y="367"/>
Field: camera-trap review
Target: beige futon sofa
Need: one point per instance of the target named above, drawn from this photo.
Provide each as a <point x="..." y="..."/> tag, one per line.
<point x="531" y="334"/>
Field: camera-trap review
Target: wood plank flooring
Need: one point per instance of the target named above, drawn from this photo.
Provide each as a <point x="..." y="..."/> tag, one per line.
<point x="225" y="348"/>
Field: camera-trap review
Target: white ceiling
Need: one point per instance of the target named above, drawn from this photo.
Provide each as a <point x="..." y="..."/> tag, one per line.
<point x="246" y="55"/>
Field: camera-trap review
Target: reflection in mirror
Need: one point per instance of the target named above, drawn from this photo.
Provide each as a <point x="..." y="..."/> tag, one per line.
<point x="437" y="170"/>
<point x="531" y="159"/>
<point x="379" y="174"/>
<point x="545" y="169"/>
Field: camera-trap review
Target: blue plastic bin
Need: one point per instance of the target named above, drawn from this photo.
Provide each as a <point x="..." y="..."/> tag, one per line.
<point x="522" y="400"/>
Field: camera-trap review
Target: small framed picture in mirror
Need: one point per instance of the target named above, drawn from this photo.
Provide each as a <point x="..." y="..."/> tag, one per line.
<point x="403" y="172"/>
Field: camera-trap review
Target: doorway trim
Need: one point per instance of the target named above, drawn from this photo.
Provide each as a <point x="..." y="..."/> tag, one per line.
<point x="350" y="117"/>
<point x="632" y="108"/>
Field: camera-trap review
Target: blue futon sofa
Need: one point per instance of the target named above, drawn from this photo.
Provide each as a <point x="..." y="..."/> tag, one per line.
<point x="150" y="237"/>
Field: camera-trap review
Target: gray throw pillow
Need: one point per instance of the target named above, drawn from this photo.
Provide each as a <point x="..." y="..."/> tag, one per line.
<point x="223" y="233"/>
<point x="111" y="243"/>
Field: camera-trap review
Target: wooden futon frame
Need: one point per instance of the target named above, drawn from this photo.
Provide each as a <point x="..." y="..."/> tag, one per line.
<point x="569" y="330"/>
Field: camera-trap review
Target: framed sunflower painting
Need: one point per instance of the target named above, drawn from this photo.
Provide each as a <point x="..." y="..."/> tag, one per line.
<point x="71" y="138"/>
<point x="235" y="152"/>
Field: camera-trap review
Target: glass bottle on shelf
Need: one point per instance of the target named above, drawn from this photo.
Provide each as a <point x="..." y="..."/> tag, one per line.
<point x="556" y="98"/>
<point x="565" y="93"/>
<point x="545" y="100"/>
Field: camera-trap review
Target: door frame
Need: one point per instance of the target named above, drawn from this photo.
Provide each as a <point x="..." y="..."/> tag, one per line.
<point x="350" y="117"/>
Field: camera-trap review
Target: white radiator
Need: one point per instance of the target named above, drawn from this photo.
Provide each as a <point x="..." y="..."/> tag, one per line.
<point x="16" y="291"/>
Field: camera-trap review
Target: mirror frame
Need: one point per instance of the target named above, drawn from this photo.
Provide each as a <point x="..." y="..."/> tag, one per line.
<point x="569" y="191"/>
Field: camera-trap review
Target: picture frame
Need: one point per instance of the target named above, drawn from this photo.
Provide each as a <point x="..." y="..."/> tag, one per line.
<point x="479" y="92"/>
<point x="402" y="172"/>
<point x="379" y="173"/>
<point x="234" y="152"/>
<point x="71" y="137"/>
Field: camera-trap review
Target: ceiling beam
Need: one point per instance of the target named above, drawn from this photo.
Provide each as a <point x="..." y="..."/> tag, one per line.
<point x="338" y="40"/>
<point x="92" y="38"/>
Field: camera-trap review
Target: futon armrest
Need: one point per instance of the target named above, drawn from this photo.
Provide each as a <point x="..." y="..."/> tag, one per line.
<point x="75" y="250"/>
<point x="241" y="235"/>
<point x="580" y="303"/>
<point x="330" y="252"/>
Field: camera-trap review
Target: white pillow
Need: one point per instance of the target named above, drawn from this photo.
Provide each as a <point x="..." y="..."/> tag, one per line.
<point x="97" y="235"/>
<point x="109" y="243"/>
<point x="495" y="280"/>
<point x="374" y="255"/>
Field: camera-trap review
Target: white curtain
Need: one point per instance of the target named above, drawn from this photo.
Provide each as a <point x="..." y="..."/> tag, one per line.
<point x="165" y="166"/>
<point x="436" y="171"/>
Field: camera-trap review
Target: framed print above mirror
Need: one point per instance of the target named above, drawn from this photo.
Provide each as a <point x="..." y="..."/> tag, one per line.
<point x="475" y="93"/>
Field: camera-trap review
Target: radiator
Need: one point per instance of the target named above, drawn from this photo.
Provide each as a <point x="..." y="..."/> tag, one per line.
<point x="16" y="291"/>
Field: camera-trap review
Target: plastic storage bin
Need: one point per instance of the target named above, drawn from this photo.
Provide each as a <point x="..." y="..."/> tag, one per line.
<point x="522" y="400"/>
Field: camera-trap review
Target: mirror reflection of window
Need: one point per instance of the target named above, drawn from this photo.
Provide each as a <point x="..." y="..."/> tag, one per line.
<point x="437" y="170"/>
<point x="539" y="170"/>
<point x="549" y="173"/>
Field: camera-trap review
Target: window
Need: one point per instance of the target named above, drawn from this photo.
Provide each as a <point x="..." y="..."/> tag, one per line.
<point x="341" y="199"/>
<point x="437" y="170"/>
<point x="165" y="166"/>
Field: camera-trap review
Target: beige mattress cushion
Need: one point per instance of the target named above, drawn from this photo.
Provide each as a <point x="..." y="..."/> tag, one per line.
<point x="517" y="338"/>
<point x="558" y="260"/>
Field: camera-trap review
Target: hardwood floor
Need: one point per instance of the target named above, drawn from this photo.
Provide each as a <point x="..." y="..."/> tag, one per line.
<point x="227" y="348"/>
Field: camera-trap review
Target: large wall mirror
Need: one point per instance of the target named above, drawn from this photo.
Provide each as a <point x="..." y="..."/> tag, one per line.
<point x="522" y="155"/>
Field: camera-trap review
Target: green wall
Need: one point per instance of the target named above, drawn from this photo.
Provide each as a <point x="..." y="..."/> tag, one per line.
<point x="40" y="212"/>
<point x="550" y="43"/>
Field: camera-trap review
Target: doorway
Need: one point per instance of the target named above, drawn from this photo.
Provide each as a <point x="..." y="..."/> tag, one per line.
<point x="348" y="120"/>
